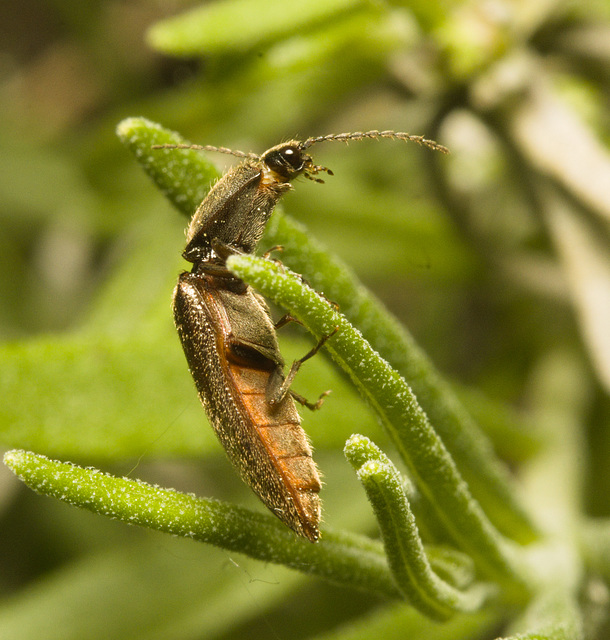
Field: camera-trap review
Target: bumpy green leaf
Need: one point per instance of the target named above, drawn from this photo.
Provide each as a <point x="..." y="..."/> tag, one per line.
<point x="470" y="449"/>
<point x="404" y="547"/>
<point x="183" y="175"/>
<point x="344" y="558"/>
<point x="419" y="446"/>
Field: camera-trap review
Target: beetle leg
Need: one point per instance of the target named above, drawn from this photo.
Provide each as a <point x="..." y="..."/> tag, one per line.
<point x="312" y="406"/>
<point x="278" y="390"/>
<point x="224" y="250"/>
<point x="277" y="247"/>
<point x="286" y="319"/>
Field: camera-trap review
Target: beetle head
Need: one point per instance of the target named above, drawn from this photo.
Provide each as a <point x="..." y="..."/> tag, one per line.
<point x="288" y="160"/>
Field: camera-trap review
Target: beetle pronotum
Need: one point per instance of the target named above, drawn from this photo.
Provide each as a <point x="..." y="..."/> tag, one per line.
<point x="229" y="338"/>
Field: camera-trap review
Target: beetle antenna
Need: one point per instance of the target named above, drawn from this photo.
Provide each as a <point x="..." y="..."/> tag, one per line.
<point x="375" y="135"/>
<point x="207" y="147"/>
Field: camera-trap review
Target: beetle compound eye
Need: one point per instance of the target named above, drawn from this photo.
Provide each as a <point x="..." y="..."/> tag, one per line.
<point x="292" y="157"/>
<point x="287" y="160"/>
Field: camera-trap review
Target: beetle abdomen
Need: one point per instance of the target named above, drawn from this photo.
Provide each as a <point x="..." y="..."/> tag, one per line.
<point x="265" y="443"/>
<point x="279" y="430"/>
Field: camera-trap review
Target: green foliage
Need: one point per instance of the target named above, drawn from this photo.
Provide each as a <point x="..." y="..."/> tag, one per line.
<point x="496" y="258"/>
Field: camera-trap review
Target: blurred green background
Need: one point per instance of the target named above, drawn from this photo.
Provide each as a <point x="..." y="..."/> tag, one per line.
<point x="496" y="258"/>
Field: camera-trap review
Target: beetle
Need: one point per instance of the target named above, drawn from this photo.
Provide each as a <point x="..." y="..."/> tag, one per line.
<point x="230" y="341"/>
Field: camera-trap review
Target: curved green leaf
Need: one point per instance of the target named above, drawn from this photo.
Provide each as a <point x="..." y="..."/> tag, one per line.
<point x="343" y="558"/>
<point x="183" y="175"/>
<point x="425" y="455"/>
<point x="488" y="479"/>
<point x="404" y="547"/>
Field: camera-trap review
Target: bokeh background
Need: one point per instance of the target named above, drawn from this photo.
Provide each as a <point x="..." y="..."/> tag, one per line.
<point x="497" y="259"/>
